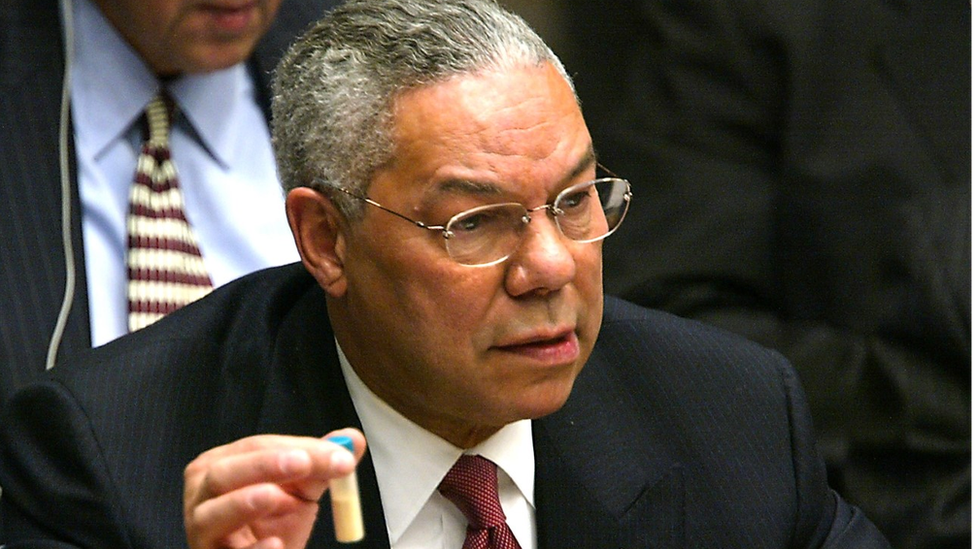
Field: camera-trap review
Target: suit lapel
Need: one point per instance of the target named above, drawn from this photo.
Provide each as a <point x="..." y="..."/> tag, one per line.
<point x="597" y="485"/>
<point x="307" y="395"/>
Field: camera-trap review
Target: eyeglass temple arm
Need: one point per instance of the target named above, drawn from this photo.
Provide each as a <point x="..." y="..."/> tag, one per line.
<point x="372" y="202"/>
<point x="608" y="170"/>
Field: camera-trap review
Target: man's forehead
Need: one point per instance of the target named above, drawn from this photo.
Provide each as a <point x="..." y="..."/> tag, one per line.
<point x="528" y="112"/>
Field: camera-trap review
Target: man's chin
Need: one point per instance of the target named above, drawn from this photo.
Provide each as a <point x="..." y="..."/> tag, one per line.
<point x="547" y="401"/>
<point x="216" y="56"/>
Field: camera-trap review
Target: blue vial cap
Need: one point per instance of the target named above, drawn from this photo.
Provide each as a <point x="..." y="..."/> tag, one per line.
<point x="344" y="441"/>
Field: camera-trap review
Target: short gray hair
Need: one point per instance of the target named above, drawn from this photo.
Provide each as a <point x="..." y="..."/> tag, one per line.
<point x="335" y="87"/>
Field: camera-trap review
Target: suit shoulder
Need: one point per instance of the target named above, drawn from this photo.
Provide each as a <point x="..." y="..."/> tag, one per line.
<point x="237" y="322"/>
<point x="666" y="355"/>
<point x="625" y="319"/>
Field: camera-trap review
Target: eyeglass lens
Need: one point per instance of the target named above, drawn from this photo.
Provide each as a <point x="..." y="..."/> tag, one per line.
<point x="585" y="213"/>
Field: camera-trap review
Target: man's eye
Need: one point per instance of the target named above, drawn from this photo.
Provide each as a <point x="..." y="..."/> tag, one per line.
<point x="481" y="221"/>
<point x="484" y="221"/>
<point x="574" y="200"/>
<point x="468" y="224"/>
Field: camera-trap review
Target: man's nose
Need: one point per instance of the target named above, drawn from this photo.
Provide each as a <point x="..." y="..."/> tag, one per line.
<point x="544" y="261"/>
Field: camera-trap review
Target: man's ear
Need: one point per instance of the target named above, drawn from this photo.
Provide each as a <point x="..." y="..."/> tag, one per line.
<point x="319" y="232"/>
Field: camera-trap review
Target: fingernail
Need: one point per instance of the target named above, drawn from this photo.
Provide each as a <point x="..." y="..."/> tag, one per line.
<point x="342" y="462"/>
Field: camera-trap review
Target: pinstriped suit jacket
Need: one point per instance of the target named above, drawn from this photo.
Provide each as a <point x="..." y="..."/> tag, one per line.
<point x="32" y="262"/>
<point x="675" y="436"/>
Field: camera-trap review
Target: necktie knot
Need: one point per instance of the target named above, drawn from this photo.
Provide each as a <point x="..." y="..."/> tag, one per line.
<point x="472" y="486"/>
<point x="159" y="112"/>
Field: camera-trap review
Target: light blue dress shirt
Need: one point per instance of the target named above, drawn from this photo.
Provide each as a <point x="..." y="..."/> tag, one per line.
<point x="222" y="150"/>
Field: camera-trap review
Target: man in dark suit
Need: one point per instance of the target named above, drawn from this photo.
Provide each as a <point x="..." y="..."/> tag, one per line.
<point x="165" y="37"/>
<point x="804" y="173"/>
<point x="433" y="342"/>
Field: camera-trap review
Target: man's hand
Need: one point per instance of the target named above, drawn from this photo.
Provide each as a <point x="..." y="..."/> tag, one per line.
<point x="262" y="492"/>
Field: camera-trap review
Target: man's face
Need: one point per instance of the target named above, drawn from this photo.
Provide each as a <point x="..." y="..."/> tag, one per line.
<point x="184" y="36"/>
<point x="462" y="350"/>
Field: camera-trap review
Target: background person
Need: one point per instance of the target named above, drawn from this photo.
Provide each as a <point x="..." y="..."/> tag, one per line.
<point x="214" y="60"/>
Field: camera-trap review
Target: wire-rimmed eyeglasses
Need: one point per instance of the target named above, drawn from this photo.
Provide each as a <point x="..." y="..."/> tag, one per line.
<point x="487" y="235"/>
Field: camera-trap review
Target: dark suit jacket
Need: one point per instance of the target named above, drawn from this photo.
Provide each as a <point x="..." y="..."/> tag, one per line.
<point x="32" y="260"/>
<point x="802" y="176"/>
<point x="675" y="435"/>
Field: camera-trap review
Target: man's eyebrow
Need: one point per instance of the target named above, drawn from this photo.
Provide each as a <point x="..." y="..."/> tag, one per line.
<point x="587" y="162"/>
<point x="485" y="188"/>
<point x="467" y="186"/>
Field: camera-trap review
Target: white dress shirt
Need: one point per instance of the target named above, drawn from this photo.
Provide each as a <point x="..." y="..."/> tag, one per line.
<point x="410" y="463"/>
<point x="221" y="147"/>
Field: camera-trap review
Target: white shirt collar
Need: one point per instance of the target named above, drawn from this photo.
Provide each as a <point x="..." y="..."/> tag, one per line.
<point x="108" y="102"/>
<point x="410" y="461"/>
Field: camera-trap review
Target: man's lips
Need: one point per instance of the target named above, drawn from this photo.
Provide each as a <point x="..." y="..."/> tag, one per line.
<point x="231" y="16"/>
<point x="561" y="347"/>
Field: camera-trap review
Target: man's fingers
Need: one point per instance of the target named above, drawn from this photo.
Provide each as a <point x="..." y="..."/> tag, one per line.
<point x="262" y="491"/>
<point x="223" y="516"/>
<point x="256" y="467"/>
<point x="272" y="458"/>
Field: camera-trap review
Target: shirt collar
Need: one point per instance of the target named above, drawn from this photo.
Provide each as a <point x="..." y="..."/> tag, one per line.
<point x="105" y="102"/>
<point x="411" y="461"/>
<point x="213" y="104"/>
<point x="108" y="102"/>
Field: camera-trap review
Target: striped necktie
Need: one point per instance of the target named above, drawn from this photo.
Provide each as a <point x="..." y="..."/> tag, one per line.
<point x="166" y="270"/>
<point x="472" y="486"/>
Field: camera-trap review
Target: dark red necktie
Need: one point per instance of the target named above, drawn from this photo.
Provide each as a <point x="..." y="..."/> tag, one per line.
<point x="472" y="485"/>
<point x="165" y="267"/>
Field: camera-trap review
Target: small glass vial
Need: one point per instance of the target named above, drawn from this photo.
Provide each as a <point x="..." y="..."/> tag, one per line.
<point x="347" y="514"/>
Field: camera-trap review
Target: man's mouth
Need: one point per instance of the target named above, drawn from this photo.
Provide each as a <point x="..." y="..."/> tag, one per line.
<point x="232" y="17"/>
<point x="555" y="348"/>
